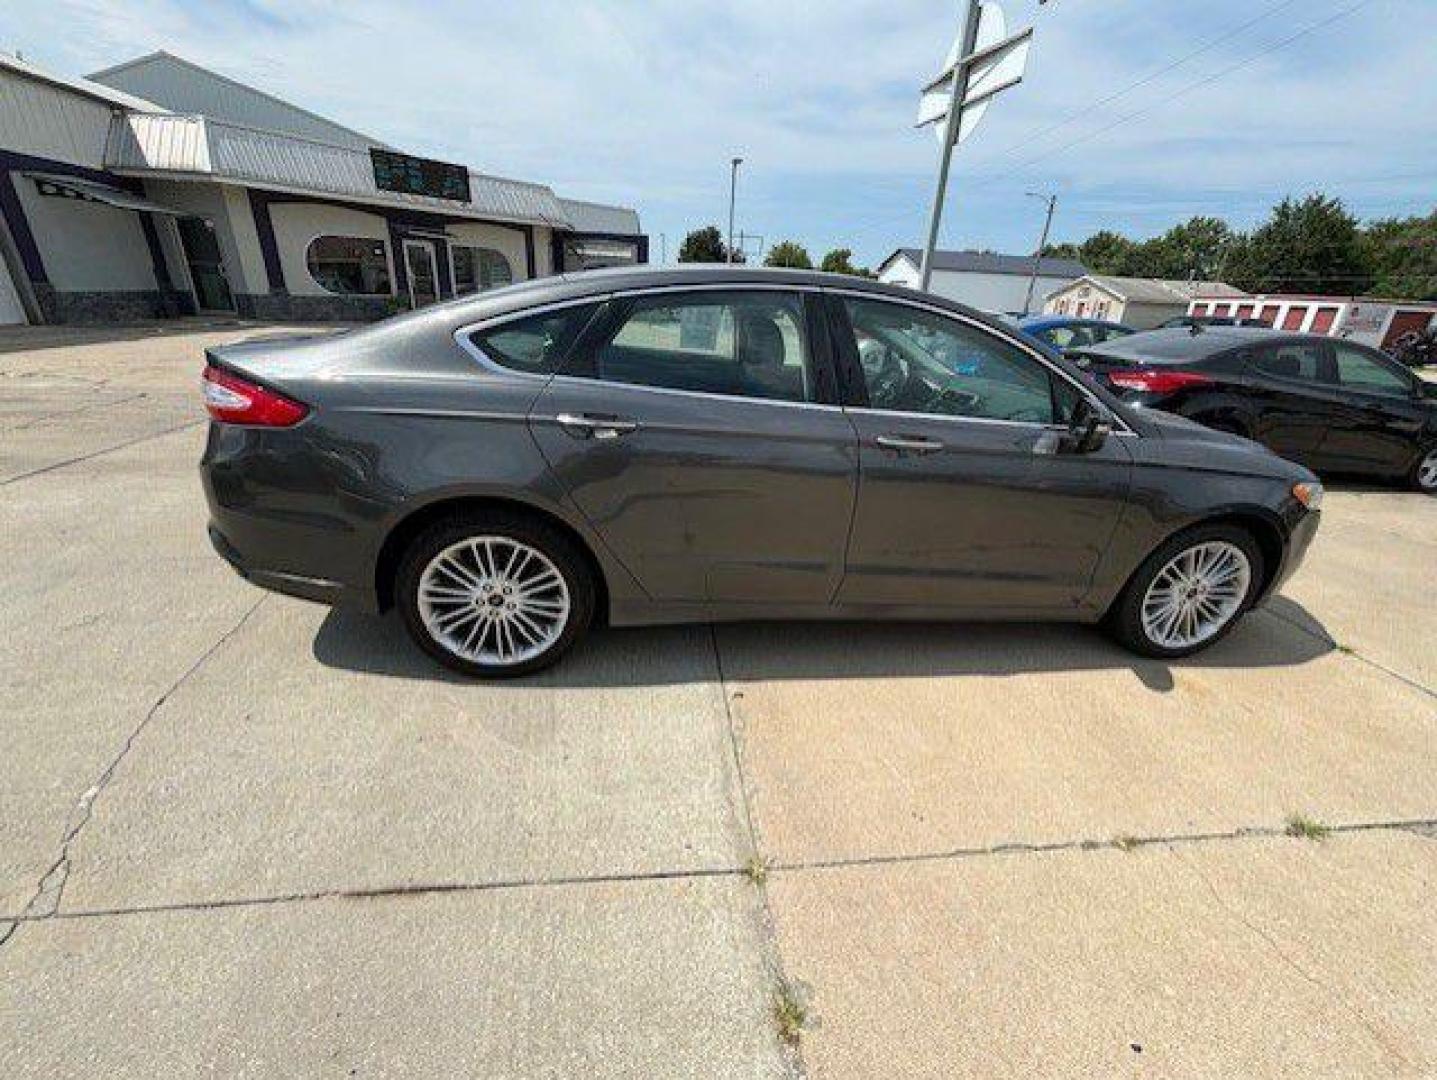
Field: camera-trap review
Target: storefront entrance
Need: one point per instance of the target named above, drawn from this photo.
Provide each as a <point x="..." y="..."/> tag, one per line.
<point x="207" y="268"/>
<point x="422" y="269"/>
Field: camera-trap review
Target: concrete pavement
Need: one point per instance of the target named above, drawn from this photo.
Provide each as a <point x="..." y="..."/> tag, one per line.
<point x="242" y="835"/>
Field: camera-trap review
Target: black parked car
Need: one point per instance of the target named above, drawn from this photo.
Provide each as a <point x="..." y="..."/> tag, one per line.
<point x="648" y="446"/>
<point x="1333" y="405"/>
<point x="1202" y="321"/>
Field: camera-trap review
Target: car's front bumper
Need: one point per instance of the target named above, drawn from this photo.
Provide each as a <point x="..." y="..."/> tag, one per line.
<point x="1299" y="539"/>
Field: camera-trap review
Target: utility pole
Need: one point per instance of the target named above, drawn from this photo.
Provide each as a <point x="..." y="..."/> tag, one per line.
<point x="967" y="36"/>
<point x="663" y="249"/>
<point x="732" y="191"/>
<point x="1042" y="243"/>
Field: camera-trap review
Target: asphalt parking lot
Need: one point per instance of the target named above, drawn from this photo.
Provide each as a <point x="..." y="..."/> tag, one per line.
<point x="244" y="835"/>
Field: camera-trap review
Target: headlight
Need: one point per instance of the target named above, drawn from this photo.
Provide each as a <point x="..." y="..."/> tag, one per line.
<point x="1309" y="494"/>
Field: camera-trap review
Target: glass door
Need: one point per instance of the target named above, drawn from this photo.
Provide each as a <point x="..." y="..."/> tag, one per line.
<point x="423" y="273"/>
<point x="207" y="268"/>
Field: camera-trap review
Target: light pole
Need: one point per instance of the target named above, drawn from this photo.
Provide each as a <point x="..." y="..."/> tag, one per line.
<point x="732" y="190"/>
<point x="1052" y="201"/>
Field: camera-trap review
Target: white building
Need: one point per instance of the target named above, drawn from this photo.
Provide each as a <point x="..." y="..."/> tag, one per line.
<point x="989" y="282"/>
<point x="160" y="188"/>
<point x="1141" y="303"/>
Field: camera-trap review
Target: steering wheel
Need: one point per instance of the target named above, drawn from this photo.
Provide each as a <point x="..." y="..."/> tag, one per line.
<point x="888" y="385"/>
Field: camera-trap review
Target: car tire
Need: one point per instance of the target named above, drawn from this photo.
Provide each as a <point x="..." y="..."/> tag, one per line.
<point x="1423" y="477"/>
<point x="1213" y="571"/>
<point x="495" y="594"/>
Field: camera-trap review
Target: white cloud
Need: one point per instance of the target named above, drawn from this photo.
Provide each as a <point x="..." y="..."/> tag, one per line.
<point x="644" y="102"/>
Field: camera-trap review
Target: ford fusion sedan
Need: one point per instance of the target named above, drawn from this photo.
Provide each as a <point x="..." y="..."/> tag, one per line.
<point x="1336" y="406"/>
<point x="642" y="446"/>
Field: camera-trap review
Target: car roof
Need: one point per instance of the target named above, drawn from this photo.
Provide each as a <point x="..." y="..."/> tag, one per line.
<point x="1178" y="344"/>
<point x="577" y="286"/>
<point x="1043" y="322"/>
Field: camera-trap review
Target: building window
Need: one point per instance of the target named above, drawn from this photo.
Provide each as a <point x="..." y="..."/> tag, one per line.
<point x="349" y="265"/>
<point x="477" y="269"/>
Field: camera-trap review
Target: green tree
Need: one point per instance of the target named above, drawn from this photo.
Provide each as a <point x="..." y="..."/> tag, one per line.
<point x="789" y="253"/>
<point x="703" y="246"/>
<point x="1402" y="253"/>
<point x="1106" y="252"/>
<point x="1196" y="249"/>
<point x="840" y="261"/>
<point x="1312" y="245"/>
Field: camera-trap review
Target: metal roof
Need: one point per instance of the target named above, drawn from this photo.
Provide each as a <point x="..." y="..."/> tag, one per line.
<point x="599" y="218"/>
<point x="202" y="146"/>
<point x="983" y="262"/>
<point x="1157" y="290"/>
<point x="89" y="89"/>
<point x="185" y="87"/>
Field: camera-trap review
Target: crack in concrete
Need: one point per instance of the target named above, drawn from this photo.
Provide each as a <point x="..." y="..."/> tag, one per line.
<point x="1347" y="650"/>
<point x="35" y="421"/>
<point x="1290" y="962"/>
<point x="1118" y="843"/>
<point x="419" y="889"/>
<point x="187" y="425"/>
<point x="45" y="902"/>
<point x="789" y="1047"/>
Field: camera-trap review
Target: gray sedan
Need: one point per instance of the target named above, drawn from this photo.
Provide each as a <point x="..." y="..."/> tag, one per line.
<point x="657" y="446"/>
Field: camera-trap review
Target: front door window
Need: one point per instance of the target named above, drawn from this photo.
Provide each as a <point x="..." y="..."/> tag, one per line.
<point x="917" y="362"/>
<point x="423" y="273"/>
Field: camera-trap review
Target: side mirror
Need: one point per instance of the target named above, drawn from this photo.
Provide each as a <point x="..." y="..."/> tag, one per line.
<point x="1088" y="429"/>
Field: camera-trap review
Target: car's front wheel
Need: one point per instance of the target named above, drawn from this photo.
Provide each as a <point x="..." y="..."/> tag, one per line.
<point x="1424" y="473"/>
<point x="1190" y="592"/>
<point x="495" y="594"/>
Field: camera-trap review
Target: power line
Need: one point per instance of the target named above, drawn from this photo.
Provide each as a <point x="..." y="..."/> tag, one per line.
<point x="1156" y="73"/>
<point x="1197" y="84"/>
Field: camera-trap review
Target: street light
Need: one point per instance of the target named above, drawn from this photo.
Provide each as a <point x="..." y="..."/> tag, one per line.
<point x="1052" y="201"/>
<point x="732" y="189"/>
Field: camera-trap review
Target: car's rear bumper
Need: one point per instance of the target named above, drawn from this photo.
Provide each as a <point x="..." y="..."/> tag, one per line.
<point x="320" y="590"/>
<point x="282" y="528"/>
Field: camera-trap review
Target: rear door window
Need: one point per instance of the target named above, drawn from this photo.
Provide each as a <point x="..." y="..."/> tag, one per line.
<point x="1295" y="361"/>
<point x="749" y="344"/>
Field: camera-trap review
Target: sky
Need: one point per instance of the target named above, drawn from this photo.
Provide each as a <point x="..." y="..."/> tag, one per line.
<point x="1137" y="114"/>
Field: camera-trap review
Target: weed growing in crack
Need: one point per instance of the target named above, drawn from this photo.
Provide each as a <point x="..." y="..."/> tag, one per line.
<point x="790" y="1011"/>
<point x="1306" y="829"/>
<point x="1127" y="843"/>
<point x="756" y="870"/>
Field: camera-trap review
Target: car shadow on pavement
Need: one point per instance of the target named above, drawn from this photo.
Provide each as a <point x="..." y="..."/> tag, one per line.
<point x="1282" y="634"/>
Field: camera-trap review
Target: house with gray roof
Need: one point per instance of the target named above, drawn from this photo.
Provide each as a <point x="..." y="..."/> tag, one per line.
<point x="991" y="282"/>
<point x="1141" y="303"/>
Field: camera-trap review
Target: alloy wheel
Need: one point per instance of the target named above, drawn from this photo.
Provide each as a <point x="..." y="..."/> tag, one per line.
<point x="1427" y="471"/>
<point x="1196" y="594"/>
<point x="493" y="600"/>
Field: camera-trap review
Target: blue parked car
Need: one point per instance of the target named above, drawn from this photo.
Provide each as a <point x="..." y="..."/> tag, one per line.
<point x="1063" y="333"/>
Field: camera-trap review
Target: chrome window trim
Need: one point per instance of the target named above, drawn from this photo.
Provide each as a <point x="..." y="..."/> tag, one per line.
<point x="983" y="328"/>
<point x="866" y="410"/>
<point x="707" y="395"/>
<point x="463" y="333"/>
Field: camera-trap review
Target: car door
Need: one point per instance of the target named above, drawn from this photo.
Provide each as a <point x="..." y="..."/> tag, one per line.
<point x="965" y="501"/>
<point x="699" y="433"/>
<point x="1291" y="389"/>
<point x="1376" y="419"/>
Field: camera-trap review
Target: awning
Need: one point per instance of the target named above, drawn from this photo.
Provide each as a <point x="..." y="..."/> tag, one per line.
<point x="92" y="191"/>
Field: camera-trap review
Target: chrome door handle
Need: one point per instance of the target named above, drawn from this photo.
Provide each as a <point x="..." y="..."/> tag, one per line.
<point x="909" y="444"/>
<point x="595" y="427"/>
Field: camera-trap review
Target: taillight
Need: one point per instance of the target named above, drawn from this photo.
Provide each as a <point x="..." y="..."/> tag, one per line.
<point x="237" y="401"/>
<point x="1156" y="381"/>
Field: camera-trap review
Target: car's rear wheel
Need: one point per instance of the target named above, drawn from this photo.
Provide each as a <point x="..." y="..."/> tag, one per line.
<point x="495" y="594"/>
<point x="1190" y="592"/>
<point x="1424" y="473"/>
